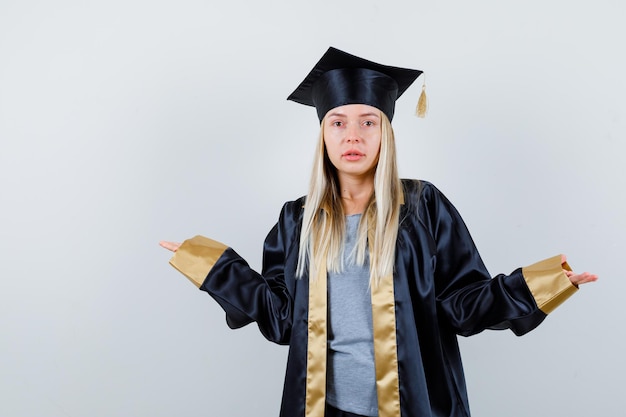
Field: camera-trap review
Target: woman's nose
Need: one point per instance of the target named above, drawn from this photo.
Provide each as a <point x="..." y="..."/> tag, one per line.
<point x="352" y="134"/>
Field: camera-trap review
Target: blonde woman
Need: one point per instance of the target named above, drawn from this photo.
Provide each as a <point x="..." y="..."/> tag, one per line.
<point x="369" y="279"/>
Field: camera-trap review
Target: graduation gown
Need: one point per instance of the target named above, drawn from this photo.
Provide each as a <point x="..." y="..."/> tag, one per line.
<point x="440" y="289"/>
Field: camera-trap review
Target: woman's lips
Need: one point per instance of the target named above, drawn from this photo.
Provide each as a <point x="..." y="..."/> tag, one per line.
<point x="352" y="155"/>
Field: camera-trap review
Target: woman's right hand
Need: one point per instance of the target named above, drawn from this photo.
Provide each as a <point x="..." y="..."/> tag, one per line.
<point x="173" y="246"/>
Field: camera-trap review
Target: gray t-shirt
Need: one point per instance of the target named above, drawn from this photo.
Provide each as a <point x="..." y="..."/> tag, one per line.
<point x="351" y="384"/>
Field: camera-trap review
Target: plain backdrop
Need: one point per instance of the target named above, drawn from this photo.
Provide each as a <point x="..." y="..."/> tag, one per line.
<point x="123" y="123"/>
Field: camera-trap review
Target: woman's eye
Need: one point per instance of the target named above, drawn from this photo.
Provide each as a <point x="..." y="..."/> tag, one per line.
<point x="368" y="123"/>
<point x="337" y="123"/>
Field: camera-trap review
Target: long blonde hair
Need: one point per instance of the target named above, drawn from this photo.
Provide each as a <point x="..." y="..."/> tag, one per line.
<point x="323" y="223"/>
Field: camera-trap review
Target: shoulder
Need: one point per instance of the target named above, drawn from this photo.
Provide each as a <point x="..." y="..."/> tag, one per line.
<point x="420" y="192"/>
<point x="411" y="185"/>
<point x="291" y="213"/>
<point x="293" y="208"/>
<point x="425" y="201"/>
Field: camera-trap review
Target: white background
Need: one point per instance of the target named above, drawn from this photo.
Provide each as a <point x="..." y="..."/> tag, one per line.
<point x="126" y="122"/>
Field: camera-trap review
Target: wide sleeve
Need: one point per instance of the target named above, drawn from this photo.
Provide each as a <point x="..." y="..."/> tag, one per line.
<point x="469" y="298"/>
<point x="245" y="295"/>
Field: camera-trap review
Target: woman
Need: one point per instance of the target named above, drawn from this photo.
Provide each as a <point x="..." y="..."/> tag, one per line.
<point x="370" y="278"/>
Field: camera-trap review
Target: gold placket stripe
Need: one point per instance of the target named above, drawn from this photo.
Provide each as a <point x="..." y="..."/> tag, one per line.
<point x="317" y="346"/>
<point x="385" y="348"/>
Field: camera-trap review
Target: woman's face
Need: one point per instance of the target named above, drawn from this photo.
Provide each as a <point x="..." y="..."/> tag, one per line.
<point x="352" y="135"/>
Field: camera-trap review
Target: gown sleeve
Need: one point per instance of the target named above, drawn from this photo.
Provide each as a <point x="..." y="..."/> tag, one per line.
<point x="245" y="295"/>
<point x="469" y="298"/>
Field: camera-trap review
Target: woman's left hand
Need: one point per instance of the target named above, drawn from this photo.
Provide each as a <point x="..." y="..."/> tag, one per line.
<point x="173" y="246"/>
<point x="583" y="278"/>
<point x="578" y="279"/>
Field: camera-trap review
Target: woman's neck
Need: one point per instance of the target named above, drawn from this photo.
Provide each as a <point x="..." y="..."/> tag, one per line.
<point x="355" y="194"/>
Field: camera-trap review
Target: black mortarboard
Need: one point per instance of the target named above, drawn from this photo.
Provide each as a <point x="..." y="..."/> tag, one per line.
<point x="340" y="78"/>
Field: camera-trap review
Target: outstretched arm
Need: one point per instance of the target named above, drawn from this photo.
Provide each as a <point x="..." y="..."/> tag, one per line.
<point x="467" y="295"/>
<point x="245" y="295"/>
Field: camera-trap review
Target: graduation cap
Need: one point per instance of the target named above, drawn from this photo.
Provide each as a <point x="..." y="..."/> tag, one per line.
<point x="340" y="78"/>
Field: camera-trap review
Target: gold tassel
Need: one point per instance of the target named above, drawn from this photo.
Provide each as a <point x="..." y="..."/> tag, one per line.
<point x="422" y="103"/>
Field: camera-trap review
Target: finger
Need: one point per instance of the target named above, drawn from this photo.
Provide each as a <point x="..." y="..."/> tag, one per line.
<point x="583" y="278"/>
<point x="588" y="277"/>
<point x="173" y="246"/>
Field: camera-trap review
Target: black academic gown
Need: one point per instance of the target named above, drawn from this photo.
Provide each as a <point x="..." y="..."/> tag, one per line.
<point x="442" y="289"/>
